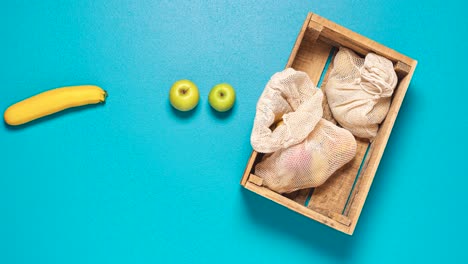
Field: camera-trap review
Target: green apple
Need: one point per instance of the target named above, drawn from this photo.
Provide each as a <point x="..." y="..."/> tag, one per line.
<point x="184" y="95"/>
<point x="222" y="97"/>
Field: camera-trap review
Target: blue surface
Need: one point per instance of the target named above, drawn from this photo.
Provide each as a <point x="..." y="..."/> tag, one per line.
<point x="133" y="181"/>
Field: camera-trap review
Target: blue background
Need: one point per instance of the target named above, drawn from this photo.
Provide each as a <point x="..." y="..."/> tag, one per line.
<point x="134" y="181"/>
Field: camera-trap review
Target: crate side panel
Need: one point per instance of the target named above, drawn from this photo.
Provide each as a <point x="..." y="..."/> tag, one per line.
<point x="249" y="167"/>
<point x="341" y="36"/>
<point x="275" y="197"/>
<point x="298" y="42"/>
<point x="377" y="149"/>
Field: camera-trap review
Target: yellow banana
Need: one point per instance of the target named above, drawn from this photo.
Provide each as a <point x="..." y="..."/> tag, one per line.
<point x="53" y="101"/>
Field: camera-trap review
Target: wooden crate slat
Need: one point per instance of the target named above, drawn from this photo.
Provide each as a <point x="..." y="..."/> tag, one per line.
<point x="298" y="42"/>
<point x="302" y="196"/>
<point x="327" y="114"/>
<point x="311" y="59"/>
<point x="248" y="168"/>
<point x="256" y="180"/>
<point x="278" y="198"/>
<point x="360" y="44"/>
<point x="334" y="193"/>
<point x="299" y="196"/>
<point x="402" y="69"/>
<point x="335" y="216"/>
<point x="357" y="184"/>
<point x="378" y="147"/>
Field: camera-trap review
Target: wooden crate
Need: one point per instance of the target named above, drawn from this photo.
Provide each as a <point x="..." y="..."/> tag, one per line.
<point x="339" y="202"/>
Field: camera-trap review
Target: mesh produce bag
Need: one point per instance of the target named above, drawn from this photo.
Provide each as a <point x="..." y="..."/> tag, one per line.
<point x="359" y="91"/>
<point x="307" y="149"/>
<point x="289" y="96"/>
<point x="310" y="163"/>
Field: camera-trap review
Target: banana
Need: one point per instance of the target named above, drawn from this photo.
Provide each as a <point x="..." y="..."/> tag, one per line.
<point x="53" y="101"/>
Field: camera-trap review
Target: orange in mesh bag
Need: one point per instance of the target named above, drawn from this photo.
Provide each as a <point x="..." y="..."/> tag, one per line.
<point x="307" y="149"/>
<point x="359" y="91"/>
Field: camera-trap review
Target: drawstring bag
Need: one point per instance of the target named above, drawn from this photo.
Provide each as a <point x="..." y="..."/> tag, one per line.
<point x="359" y="91"/>
<point x="303" y="149"/>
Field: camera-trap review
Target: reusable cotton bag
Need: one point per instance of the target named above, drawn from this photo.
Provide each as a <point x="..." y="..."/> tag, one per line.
<point x="305" y="149"/>
<point x="359" y="91"/>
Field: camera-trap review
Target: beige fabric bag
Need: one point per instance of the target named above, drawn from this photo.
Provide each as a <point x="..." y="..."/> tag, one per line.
<point x="307" y="149"/>
<point x="292" y="97"/>
<point x="359" y="91"/>
<point x="310" y="163"/>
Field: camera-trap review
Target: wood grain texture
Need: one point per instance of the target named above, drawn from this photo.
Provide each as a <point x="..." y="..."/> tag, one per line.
<point x="311" y="59"/>
<point x="341" y="36"/>
<point x="298" y="42"/>
<point x="249" y="167"/>
<point x="357" y="184"/>
<point x="401" y="69"/>
<point x="377" y="149"/>
<point x="332" y="196"/>
<point x="255" y="180"/>
<point x="299" y="196"/>
<point x="334" y="193"/>
<point x="327" y="113"/>
<point x="278" y="198"/>
<point x="312" y="33"/>
<point x="335" y="216"/>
